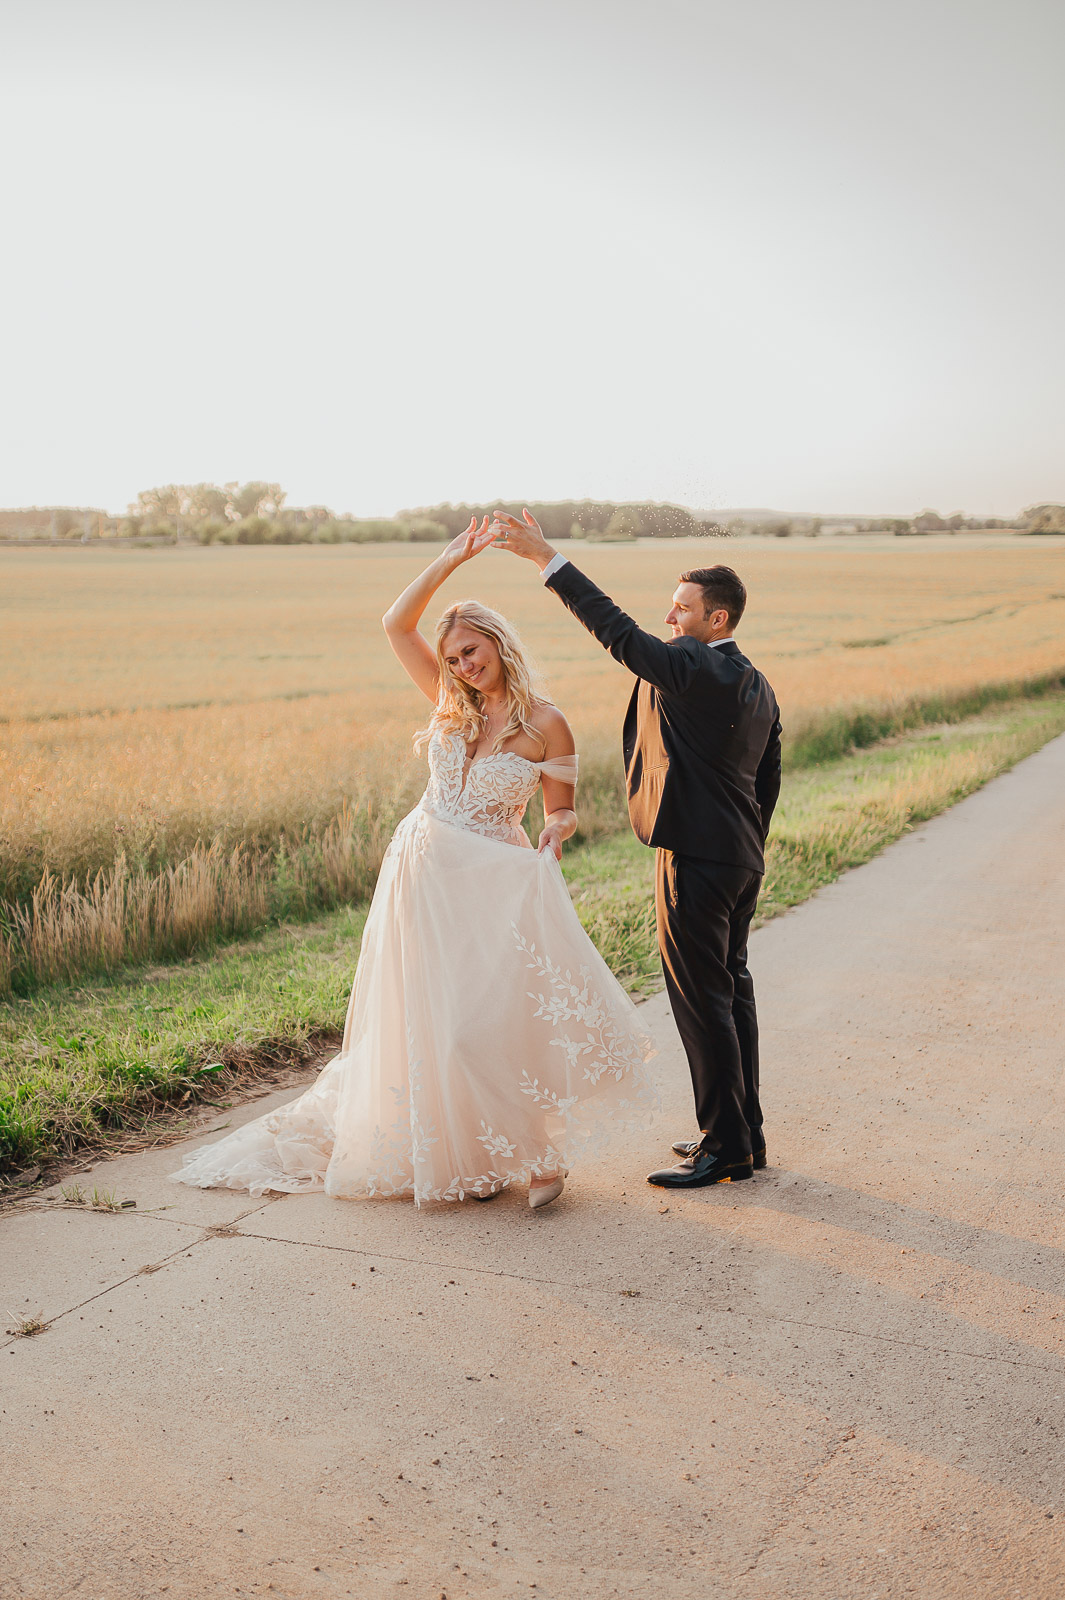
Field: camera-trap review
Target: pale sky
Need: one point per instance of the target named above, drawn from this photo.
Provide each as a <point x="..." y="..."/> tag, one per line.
<point x="794" y="253"/>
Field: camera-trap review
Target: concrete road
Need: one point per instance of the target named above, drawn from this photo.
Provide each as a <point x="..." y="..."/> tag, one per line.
<point x="844" y="1379"/>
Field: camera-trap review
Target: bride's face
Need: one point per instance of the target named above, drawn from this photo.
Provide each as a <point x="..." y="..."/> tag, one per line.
<point x="474" y="658"/>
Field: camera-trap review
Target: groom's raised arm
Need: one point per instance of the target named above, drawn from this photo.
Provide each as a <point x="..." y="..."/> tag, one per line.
<point x="669" y="667"/>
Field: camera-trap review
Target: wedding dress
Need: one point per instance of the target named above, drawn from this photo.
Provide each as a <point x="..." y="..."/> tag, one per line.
<point x="486" y="1039"/>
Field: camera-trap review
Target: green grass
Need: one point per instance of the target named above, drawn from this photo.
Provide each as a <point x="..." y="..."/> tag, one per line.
<point x="833" y="734"/>
<point x="78" y="1063"/>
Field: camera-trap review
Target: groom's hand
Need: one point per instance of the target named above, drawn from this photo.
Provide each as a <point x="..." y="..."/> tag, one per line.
<point x="522" y="538"/>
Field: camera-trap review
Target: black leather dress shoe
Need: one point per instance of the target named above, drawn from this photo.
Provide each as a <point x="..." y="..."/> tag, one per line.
<point x="701" y="1168"/>
<point x="684" y="1147"/>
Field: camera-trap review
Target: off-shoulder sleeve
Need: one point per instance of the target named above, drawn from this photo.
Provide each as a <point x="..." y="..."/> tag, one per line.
<point x="564" y="768"/>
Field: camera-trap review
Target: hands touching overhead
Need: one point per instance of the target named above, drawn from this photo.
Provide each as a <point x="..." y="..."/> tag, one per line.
<point x="519" y="538"/>
<point x="523" y="538"/>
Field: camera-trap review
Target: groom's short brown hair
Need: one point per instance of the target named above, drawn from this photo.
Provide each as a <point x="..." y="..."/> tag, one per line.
<point x="722" y="590"/>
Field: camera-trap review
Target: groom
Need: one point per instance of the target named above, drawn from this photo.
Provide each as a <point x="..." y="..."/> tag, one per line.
<point x="702" y="762"/>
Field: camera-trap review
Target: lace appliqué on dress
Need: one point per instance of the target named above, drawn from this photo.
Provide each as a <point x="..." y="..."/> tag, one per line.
<point x="493" y="798"/>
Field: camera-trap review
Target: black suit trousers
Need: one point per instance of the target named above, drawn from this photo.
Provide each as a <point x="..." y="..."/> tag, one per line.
<point x="703" y="911"/>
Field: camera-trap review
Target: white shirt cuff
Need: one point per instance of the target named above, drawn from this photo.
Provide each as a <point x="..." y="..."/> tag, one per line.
<point x="556" y="561"/>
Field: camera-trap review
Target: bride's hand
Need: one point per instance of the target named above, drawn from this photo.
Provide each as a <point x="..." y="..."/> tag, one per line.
<point x="551" y="839"/>
<point x="471" y="542"/>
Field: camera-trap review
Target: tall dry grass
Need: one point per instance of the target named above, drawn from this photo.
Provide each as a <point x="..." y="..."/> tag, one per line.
<point x="126" y="913"/>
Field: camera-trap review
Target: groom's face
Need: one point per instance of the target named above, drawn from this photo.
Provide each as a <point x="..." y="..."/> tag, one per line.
<point x="687" y="616"/>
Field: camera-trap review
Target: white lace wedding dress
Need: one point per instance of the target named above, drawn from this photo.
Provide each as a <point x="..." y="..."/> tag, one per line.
<point x="486" y="1039"/>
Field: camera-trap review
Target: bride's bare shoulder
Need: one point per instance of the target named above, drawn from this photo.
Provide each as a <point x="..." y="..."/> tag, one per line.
<point x="552" y="725"/>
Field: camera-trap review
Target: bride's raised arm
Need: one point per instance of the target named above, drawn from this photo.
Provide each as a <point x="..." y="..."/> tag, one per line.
<point x="400" y="621"/>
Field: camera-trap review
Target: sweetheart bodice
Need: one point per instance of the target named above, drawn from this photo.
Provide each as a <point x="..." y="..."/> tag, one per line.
<point x="490" y="795"/>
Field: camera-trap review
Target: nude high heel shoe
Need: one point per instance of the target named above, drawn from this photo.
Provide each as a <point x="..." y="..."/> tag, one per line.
<point x="544" y="1193"/>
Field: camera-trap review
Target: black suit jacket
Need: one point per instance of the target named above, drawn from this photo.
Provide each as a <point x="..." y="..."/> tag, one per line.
<point x="701" y="738"/>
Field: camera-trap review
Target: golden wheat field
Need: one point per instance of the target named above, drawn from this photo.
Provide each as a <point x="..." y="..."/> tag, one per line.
<point x="153" y="697"/>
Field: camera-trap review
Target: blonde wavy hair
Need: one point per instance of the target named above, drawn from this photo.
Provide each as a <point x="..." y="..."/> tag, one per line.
<point x="460" y="708"/>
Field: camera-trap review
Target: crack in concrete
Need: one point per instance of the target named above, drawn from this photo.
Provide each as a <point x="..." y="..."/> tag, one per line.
<point x="594" y="1288"/>
<point x="208" y="1233"/>
<point x="107" y="1289"/>
<point x="887" y="1338"/>
<point x="138" y="1272"/>
<point x="420" y="1261"/>
<point x="840" y="1439"/>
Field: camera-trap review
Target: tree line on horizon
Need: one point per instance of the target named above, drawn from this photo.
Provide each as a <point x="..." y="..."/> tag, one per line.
<point x="257" y="513"/>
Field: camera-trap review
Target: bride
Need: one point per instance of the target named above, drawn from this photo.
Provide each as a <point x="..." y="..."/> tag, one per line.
<point x="486" y="1043"/>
